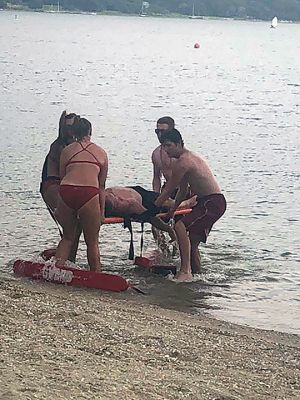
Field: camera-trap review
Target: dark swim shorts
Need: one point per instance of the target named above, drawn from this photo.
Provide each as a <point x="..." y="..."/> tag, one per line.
<point x="204" y="214"/>
<point x="148" y="199"/>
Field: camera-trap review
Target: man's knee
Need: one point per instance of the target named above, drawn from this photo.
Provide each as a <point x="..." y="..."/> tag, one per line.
<point x="195" y="240"/>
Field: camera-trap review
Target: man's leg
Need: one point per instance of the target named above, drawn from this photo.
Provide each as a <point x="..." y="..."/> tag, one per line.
<point x="195" y="255"/>
<point x="185" y="273"/>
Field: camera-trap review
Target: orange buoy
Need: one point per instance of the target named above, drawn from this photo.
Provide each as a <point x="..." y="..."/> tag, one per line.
<point x="196" y="46"/>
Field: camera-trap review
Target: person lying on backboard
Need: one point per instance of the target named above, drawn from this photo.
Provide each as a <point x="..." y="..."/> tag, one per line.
<point x="137" y="203"/>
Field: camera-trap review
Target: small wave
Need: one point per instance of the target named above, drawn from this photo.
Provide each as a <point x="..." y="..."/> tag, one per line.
<point x="267" y="278"/>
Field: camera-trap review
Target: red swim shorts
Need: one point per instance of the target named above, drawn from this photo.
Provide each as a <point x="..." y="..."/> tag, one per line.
<point x="204" y="214"/>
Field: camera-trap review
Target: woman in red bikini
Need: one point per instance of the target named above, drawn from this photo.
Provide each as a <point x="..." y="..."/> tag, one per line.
<point x="83" y="172"/>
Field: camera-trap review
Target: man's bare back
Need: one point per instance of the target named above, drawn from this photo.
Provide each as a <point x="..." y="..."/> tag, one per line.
<point x="123" y="201"/>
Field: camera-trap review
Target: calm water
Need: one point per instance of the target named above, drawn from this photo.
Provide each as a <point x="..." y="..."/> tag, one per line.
<point x="236" y="101"/>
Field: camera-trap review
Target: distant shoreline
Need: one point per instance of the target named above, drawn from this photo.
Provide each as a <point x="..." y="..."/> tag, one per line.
<point x="18" y="8"/>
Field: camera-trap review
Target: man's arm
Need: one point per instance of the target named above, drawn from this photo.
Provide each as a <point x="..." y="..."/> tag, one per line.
<point x="180" y="195"/>
<point x="162" y="226"/>
<point x="178" y="172"/>
<point x="102" y="179"/>
<point x="156" y="181"/>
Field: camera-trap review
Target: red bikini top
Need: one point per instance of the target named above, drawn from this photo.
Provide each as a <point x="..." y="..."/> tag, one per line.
<point x="83" y="161"/>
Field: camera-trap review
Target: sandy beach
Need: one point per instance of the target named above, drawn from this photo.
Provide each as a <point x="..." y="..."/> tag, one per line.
<point x="63" y="343"/>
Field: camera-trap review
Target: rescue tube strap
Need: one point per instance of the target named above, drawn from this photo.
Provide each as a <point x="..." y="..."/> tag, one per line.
<point x="128" y="224"/>
<point x="142" y="239"/>
<point x="55" y="220"/>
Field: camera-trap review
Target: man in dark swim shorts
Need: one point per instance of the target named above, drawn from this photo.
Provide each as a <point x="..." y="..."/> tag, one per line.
<point x="191" y="171"/>
<point x="205" y="213"/>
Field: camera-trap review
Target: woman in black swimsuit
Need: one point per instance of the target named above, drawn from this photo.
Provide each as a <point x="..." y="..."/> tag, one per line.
<point x="50" y="175"/>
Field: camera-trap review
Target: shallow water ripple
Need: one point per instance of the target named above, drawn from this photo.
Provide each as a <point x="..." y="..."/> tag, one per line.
<point x="235" y="100"/>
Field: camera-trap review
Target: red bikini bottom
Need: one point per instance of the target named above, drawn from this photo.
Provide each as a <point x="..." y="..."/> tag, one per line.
<point x="77" y="196"/>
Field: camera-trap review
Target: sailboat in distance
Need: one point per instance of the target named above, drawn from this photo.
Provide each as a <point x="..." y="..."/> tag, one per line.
<point x="193" y="16"/>
<point x="274" y="22"/>
<point x="145" y="6"/>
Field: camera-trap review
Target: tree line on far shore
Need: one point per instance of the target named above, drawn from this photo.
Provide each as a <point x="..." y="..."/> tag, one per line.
<point x="252" y="9"/>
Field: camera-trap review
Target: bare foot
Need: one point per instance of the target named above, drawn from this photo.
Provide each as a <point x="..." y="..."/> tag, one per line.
<point x="183" y="277"/>
<point x="58" y="262"/>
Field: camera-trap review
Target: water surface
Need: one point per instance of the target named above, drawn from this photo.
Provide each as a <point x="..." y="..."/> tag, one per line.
<point x="235" y="100"/>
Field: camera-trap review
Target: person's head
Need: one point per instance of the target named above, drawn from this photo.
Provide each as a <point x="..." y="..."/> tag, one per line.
<point x="164" y="124"/>
<point x="67" y="123"/>
<point x="172" y="143"/>
<point x="82" y="128"/>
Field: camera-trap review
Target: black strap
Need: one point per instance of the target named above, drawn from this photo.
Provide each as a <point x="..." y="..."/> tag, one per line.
<point x="128" y="224"/>
<point x="55" y="220"/>
<point x="142" y="239"/>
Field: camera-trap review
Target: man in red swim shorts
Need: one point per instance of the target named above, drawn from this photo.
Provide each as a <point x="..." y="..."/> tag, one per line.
<point x="191" y="170"/>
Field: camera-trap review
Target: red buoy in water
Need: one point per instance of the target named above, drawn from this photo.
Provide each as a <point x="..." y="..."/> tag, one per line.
<point x="196" y="46"/>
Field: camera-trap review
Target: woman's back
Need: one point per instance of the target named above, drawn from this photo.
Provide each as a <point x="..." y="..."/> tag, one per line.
<point x="81" y="163"/>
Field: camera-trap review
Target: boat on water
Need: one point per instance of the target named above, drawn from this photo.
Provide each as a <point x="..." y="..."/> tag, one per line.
<point x="274" y="22"/>
<point x="144" y="8"/>
<point x="193" y="16"/>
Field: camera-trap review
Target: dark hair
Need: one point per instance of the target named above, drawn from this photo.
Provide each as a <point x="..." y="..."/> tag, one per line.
<point x="167" y="120"/>
<point x="82" y="128"/>
<point x="173" y="136"/>
<point x="64" y="128"/>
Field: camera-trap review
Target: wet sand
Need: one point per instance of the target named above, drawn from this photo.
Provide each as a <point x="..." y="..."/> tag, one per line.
<point x="63" y="343"/>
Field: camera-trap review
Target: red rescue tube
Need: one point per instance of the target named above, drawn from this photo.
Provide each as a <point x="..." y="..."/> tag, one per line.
<point x="70" y="276"/>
